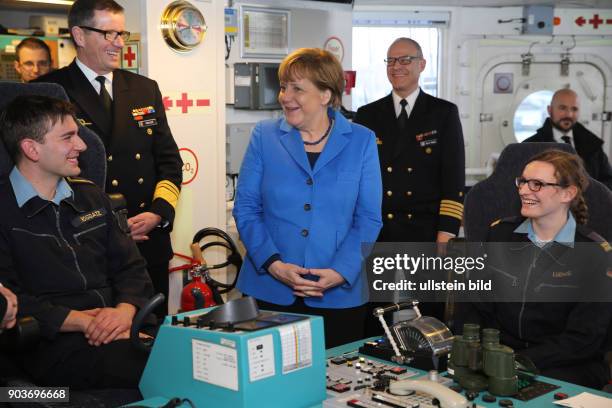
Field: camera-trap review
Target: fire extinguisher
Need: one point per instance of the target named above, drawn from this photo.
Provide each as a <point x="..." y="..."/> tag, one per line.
<point x="203" y="291"/>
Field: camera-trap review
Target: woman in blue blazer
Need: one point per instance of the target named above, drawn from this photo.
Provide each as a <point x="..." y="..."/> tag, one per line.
<point x="309" y="193"/>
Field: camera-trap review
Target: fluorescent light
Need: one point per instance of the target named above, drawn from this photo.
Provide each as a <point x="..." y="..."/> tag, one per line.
<point x="62" y="2"/>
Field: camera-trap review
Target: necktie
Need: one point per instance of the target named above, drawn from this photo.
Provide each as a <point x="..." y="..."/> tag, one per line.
<point x="105" y="98"/>
<point x="402" y="119"/>
<point x="567" y="139"/>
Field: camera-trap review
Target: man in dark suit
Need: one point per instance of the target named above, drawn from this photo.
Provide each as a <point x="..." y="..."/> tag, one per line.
<point x="562" y="127"/>
<point x="126" y="110"/>
<point x="421" y="152"/>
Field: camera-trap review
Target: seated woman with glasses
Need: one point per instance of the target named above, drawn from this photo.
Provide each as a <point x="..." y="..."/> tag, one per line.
<point x="548" y="272"/>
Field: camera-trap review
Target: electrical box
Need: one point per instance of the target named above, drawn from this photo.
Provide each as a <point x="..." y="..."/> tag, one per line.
<point x="538" y="20"/>
<point x="238" y="136"/>
<point x="51" y="25"/>
<point x="231" y="22"/>
<point x="256" y="86"/>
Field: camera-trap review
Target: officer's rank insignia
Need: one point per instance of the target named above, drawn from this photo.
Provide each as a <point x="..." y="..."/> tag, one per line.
<point x="606" y="246"/>
<point x="428" y="150"/>
<point x="83" y="122"/>
<point x="149" y="131"/>
<point x="84" y="218"/>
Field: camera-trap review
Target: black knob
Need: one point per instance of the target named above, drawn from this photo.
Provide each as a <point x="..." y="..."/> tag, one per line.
<point x="304" y="232"/>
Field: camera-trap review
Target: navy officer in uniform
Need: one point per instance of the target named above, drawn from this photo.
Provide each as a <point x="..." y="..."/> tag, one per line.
<point x="64" y="255"/>
<point x="422" y="159"/>
<point x="127" y="112"/>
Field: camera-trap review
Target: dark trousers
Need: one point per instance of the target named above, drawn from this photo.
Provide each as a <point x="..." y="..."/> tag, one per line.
<point x="159" y="277"/>
<point x="81" y="366"/>
<point x="594" y="374"/>
<point x="341" y="325"/>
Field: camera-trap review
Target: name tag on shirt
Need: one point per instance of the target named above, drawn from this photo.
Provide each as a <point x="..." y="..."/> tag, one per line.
<point x="147" y="122"/>
<point x="90" y="216"/>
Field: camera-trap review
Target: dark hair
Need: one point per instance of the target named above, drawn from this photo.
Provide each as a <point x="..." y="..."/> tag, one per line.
<point x="82" y="11"/>
<point x="569" y="171"/>
<point x="317" y="65"/>
<point x="411" y="42"/>
<point x="32" y="117"/>
<point x="32" y="43"/>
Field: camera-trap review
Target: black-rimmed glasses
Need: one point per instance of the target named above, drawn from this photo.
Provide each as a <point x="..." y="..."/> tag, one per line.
<point x="110" y="35"/>
<point x="404" y="60"/>
<point x="533" y="184"/>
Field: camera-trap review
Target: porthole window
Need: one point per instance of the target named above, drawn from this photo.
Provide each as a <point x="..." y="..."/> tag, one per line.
<point x="531" y="114"/>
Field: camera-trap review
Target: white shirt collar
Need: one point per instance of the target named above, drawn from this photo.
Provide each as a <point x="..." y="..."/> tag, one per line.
<point x="411" y="99"/>
<point x="557" y="135"/>
<point x="91" y="76"/>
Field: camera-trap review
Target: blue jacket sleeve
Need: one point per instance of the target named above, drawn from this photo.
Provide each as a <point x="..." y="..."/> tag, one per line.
<point x="367" y="220"/>
<point x="248" y="206"/>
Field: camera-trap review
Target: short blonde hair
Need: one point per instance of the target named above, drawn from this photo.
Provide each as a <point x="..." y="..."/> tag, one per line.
<point x="317" y="65"/>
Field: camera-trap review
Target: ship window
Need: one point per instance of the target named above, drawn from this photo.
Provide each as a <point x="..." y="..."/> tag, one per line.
<point x="531" y="114"/>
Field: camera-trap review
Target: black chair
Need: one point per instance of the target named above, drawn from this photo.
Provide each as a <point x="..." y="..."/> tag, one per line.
<point x="496" y="196"/>
<point x="92" y="161"/>
<point x="24" y="336"/>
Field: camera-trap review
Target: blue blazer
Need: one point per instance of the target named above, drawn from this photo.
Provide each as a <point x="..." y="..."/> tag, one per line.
<point x="343" y="193"/>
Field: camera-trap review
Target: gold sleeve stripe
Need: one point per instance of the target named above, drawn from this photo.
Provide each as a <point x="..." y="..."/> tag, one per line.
<point x="166" y="190"/>
<point x="453" y="214"/>
<point x="170" y="186"/>
<point x="79" y="180"/>
<point x="451" y="203"/>
<point x="494" y="223"/>
<point x="451" y="208"/>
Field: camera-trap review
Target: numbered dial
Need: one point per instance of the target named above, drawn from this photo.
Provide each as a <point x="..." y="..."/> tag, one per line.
<point x="183" y="26"/>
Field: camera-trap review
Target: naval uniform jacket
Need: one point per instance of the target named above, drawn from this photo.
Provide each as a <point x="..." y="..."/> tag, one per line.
<point x="423" y="169"/>
<point x="143" y="162"/>
<point x="71" y="256"/>
<point x="588" y="146"/>
<point x="551" y="334"/>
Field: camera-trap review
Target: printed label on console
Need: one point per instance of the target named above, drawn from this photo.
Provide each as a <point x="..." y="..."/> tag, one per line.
<point x="215" y="364"/>
<point x="261" y="357"/>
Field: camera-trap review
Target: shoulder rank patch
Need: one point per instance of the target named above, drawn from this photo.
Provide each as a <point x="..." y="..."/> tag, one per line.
<point x="494" y="223"/>
<point x="79" y="180"/>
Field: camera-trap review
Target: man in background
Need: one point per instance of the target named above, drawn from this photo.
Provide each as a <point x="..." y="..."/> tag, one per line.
<point x="562" y="126"/>
<point x="32" y="59"/>
<point x="126" y="111"/>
